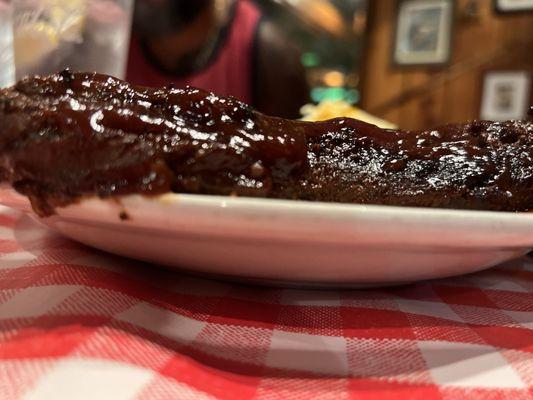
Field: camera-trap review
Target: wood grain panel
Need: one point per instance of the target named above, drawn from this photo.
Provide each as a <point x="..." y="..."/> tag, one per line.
<point x="421" y="97"/>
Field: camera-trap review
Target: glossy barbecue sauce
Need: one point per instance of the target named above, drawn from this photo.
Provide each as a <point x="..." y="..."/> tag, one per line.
<point x="140" y="140"/>
<point x="198" y="130"/>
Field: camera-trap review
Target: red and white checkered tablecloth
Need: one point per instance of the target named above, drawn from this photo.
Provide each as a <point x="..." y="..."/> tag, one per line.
<point x="76" y="323"/>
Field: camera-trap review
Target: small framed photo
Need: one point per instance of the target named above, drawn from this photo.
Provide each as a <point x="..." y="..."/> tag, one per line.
<point x="423" y="32"/>
<point x="505" y="95"/>
<point x="507" y="6"/>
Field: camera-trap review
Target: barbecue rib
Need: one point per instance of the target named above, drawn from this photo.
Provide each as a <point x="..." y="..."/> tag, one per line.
<point x="68" y="135"/>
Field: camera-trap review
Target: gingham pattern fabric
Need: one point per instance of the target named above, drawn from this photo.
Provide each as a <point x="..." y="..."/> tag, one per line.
<point x="76" y="323"/>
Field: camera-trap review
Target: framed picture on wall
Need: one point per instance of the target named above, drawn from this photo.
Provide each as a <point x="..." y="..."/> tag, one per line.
<point x="513" y="5"/>
<point x="505" y="95"/>
<point x="423" y="32"/>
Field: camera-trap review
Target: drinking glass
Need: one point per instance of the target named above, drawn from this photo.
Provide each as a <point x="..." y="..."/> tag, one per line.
<point x="7" y="67"/>
<point x="83" y="35"/>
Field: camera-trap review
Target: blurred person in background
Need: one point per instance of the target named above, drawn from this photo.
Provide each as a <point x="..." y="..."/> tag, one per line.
<point x="224" y="46"/>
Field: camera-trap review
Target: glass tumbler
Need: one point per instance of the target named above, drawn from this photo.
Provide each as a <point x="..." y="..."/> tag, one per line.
<point x="83" y="35"/>
<point x="7" y="66"/>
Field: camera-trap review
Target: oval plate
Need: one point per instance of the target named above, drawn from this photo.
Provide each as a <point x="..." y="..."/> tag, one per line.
<point x="293" y="242"/>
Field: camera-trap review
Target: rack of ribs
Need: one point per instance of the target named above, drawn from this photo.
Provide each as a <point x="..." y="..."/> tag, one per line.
<point x="71" y="135"/>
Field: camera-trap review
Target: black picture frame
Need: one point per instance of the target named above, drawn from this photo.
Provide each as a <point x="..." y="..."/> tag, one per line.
<point x="440" y="40"/>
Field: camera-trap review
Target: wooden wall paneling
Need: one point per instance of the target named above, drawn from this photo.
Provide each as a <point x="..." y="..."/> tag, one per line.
<point x="380" y="82"/>
<point x="419" y="108"/>
<point x="473" y="41"/>
<point x="419" y="97"/>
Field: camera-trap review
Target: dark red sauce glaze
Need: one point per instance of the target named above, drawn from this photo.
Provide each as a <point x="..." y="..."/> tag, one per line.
<point x="70" y="135"/>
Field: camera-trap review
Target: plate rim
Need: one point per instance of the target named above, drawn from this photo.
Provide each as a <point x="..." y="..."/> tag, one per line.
<point x="171" y="199"/>
<point x="261" y="218"/>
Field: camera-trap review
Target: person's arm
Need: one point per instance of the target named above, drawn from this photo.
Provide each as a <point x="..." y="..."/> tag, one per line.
<point x="280" y="86"/>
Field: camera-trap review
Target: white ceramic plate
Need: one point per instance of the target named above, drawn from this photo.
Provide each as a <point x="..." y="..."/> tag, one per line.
<point x="296" y="242"/>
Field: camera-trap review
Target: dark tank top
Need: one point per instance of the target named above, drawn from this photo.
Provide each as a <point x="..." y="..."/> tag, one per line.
<point x="229" y="73"/>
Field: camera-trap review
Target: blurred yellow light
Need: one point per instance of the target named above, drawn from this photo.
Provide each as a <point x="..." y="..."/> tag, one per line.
<point x="334" y="78"/>
<point x="322" y="14"/>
